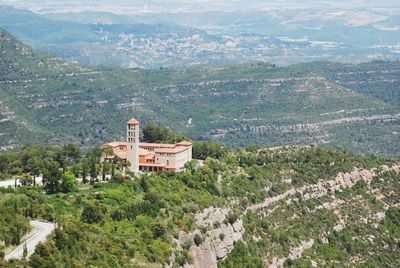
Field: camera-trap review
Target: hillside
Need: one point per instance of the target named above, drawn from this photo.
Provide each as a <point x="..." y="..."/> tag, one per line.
<point x="44" y="99"/>
<point x="267" y="207"/>
<point x="187" y="38"/>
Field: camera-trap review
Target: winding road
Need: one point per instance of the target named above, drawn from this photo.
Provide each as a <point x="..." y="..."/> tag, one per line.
<point x="43" y="229"/>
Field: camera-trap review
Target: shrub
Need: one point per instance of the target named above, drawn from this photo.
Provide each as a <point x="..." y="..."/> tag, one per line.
<point x="232" y="218"/>
<point x="222" y="236"/>
<point x="158" y="229"/>
<point x="187" y="244"/>
<point x="198" y="240"/>
<point x="92" y="213"/>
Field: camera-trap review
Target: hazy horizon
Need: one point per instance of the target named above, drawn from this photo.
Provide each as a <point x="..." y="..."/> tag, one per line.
<point x="166" y="6"/>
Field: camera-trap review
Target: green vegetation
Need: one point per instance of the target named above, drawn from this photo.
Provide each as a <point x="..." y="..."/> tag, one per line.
<point x="13" y="225"/>
<point x="114" y="219"/>
<point x="45" y="100"/>
<point x="131" y="223"/>
<point x="156" y="134"/>
<point x="132" y="219"/>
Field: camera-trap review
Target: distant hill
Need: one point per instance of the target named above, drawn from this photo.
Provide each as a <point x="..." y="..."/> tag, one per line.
<point x="47" y="100"/>
<point x="20" y="61"/>
<point x="174" y="40"/>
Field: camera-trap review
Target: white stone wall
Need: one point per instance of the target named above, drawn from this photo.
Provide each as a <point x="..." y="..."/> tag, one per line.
<point x="165" y="159"/>
<point x="177" y="160"/>
<point x="181" y="159"/>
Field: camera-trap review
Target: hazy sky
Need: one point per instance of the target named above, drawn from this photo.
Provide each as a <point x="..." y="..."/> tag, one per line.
<point x="133" y="6"/>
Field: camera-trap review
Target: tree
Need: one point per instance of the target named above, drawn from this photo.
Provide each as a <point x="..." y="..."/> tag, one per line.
<point x="112" y="170"/>
<point x="61" y="160"/>
<point x="68" y="183"/>
<point x="202" y="150"/>
<point x="92" y="213"/>
<point x="26" y="179"/>
<point x="34" y="166"/>
<point x="84" y="171"/>
<point x="107" y="152"/>
<point x="198" y="240"/>
<point x="144" y="185"/>
<point x="154" y="133"/>
<point x="158" y="229"/>
<point x="42" y="257"/>
<point x="93" y="170"/>
<point x="52" y="176"/>
<point x="103" y="172"/>
<point x="117" y="178"/>
<point x="71" y="153"/>
<point x="76" y="170"/>
<point x="25" y="253"/>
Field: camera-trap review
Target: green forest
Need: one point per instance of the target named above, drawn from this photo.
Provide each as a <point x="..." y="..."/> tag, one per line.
<point x="106" y="217"/>
<point x="48" y="100"/>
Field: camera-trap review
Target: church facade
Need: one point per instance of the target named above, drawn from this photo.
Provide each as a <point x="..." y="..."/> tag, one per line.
<point x="149" y="156"/>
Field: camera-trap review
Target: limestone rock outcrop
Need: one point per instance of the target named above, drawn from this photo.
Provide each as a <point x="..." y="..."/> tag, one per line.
<point x="219" y="238"/>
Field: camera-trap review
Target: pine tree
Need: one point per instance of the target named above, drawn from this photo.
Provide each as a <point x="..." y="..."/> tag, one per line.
<point x="103" y="174"/>
<point x="25" y="253"/>
<point x="112" y="170"/>
<point x="84" y="171"/>
<point x="93" y="171"/>
<point x="144" y="185"/>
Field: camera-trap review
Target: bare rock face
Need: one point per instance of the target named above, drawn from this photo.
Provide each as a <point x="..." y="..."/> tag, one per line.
<point x="224" y="237"/>
<point x="219" y="238"/>
<point x="204" y="255"/>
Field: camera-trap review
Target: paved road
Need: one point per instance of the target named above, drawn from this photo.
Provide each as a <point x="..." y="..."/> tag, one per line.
<point x="11" y="183"/>
<point x="43" y="230"/>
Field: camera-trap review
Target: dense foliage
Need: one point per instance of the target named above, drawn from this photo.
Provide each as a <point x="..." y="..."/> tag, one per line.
<point x="131" y="223"/>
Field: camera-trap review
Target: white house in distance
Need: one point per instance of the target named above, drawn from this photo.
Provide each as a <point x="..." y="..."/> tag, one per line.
<point x="149" y="156"/>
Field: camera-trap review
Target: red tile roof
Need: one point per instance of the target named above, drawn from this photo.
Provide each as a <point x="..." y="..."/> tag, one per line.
<point x="143" y="151"/>
<point x="133" y="121"/>
<point x="156" y="145"/>
<point x="116" y="144"/>
<point x="185" y="143"/>
<point x="175" y="150"/>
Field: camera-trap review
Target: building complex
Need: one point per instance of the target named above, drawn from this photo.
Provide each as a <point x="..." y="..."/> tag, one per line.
<point x="148" y="156"/>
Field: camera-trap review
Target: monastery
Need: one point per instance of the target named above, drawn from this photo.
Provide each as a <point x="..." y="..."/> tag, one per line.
<point x="149" y="156"/>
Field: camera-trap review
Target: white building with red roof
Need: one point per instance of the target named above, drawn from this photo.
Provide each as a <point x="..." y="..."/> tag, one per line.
<point x="149" y="156"/>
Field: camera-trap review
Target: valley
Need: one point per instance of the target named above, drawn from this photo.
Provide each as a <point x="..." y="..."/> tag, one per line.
<point x="317" y="103"/>
<point x="177" y="39"/>
<point x="199" y="134"/>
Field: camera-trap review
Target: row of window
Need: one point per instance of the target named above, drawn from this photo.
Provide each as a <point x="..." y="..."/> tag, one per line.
<point x="164" y="154"/>
<point x="131" y="139"/>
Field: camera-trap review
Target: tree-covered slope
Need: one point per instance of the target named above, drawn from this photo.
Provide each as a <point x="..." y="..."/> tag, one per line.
<point x="254" y="207"/>
<point x="378" y="79"/>
<point x="19" y="62"/>
<point x="57" y="102"/>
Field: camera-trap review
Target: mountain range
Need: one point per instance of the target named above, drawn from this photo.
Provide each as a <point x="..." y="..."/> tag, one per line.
<point x="45" y="99"/>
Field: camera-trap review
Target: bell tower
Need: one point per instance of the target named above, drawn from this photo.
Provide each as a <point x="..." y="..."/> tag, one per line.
<point x="132" y="149"/>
